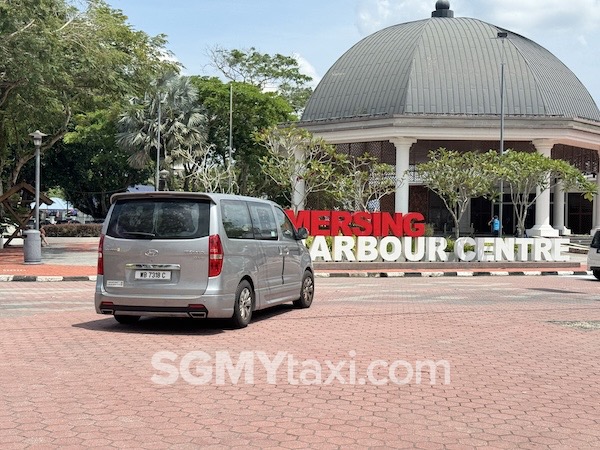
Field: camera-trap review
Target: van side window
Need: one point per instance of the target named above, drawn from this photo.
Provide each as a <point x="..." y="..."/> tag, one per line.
<point x="285" y="224"/>
<point x="236" y="219"/>
<point x="263" y="220"/>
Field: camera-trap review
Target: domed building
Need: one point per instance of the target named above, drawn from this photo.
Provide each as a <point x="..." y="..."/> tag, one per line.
<point x="419" y="86"/>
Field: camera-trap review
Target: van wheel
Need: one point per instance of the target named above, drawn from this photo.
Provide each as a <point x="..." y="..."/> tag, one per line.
<point x="126" y="320"/>
<point x="307" y="291"/>
<point x="596" y="274"/>
<point x="242" y="309"/>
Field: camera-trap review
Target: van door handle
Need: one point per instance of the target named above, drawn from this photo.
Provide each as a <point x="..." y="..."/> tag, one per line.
<point x="284" y="251"/>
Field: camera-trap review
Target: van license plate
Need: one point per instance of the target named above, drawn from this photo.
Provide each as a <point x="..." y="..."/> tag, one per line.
<point x="152" y="275"/>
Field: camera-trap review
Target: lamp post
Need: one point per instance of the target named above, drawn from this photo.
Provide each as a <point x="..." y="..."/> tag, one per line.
<point x="230" y="147"/>
<point x="164" y="174"/>
<point x="37" y="136"/>
<point x="157" y="175"/>
<point x="502" y="35"/>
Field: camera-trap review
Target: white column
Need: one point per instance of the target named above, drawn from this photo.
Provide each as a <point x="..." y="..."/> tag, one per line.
<point x="559" y="210"/>
<point x="542" y="205"/>
<point x="298" y="184"/>
<point x="403" y="146"/>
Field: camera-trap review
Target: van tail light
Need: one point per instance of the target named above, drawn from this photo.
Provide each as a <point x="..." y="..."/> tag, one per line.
<point x="215" y="256"/>
<point x="100" y="269"/>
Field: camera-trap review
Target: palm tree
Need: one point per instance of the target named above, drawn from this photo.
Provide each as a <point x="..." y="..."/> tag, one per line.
<point x="182" y="124"/>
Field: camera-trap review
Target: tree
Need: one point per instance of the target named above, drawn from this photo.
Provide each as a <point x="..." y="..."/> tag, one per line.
<point x="278" y="72"/>
<point x="182" y="126"/>
<point x="365" y="181"/>
<point x="89" y="166"/>
<point x="458" y="177"/>
<point x="253" y="111"/>
<point x="207" y="175"/>
<point x="523" y="172"/>
<point x="57" y="61"/>
<point x="298" y="163"/>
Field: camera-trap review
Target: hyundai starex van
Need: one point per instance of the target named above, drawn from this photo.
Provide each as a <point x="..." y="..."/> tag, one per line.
<point x="199" y="255"/>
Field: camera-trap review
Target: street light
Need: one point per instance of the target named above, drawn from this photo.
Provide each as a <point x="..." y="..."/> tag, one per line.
<point x="502" y="35"/>
<point x="164" y="174"/>
<point x="230" y="146"/>
<point x="157" y="175"/>
<point x="37" y="136"/>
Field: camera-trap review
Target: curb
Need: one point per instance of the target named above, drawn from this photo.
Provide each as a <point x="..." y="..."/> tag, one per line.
<point x="45" y="278"/>
<point x="449" y="274"/>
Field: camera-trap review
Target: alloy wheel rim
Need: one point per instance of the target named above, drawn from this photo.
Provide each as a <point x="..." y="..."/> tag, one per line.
<point x="245" y="303"/>
<point x="308" y="289"/>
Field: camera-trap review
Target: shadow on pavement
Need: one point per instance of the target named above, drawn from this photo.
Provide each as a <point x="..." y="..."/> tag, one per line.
<point x="176" y="325"/>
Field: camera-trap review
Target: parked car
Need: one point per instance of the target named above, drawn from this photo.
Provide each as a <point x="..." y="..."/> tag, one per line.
<point x="199" y="255"/>
<point x="593" y="259"/>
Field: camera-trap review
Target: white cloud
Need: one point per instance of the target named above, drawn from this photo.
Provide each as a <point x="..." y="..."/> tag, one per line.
<point x="554" y="15"/>
<point x="373" y="15"/>
<point x="517" y="15"/>
<point x="169" y="56"/>
<point x="307" y="68"/>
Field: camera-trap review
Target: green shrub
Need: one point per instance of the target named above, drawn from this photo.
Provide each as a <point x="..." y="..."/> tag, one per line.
<point x="429" y="230"/>
<point x="73" y="230"/>
<point x="450" y="246"/>
<point x="329" y="239"/>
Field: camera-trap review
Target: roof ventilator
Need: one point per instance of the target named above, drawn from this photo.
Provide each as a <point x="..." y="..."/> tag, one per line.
<point x="442" y="9"/>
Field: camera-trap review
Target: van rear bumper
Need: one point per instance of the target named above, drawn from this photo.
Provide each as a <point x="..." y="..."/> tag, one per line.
<point x="200" y="312"/>
<point x="203" y="306"/>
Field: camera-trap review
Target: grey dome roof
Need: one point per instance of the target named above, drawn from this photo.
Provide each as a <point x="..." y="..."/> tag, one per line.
<point x="445" y="65"/>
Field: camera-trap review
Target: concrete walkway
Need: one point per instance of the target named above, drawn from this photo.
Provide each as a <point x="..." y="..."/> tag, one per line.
<point x="64" y="259"/>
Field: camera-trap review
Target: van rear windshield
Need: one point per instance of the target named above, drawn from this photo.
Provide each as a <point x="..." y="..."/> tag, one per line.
<point x="159" y="219"/>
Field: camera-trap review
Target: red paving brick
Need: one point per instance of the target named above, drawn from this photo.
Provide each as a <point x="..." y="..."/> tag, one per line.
<point x="69" y="377"/>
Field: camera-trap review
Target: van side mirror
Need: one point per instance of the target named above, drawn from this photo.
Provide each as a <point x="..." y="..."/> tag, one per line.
<point x="302" y="233"/>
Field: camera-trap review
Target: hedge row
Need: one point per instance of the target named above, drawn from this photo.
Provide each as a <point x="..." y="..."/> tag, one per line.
<point x="73" y="230"/>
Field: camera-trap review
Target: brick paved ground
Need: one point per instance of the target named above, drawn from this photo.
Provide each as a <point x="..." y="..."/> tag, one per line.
<point x="519" y="377"/>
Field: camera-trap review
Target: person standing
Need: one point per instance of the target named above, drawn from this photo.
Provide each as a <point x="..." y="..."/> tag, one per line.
<point x="43" y="237"/>
<point x="495" y="224"/>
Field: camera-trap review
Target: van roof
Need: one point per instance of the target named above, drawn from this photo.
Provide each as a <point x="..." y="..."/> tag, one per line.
<point x="214" y="197"/>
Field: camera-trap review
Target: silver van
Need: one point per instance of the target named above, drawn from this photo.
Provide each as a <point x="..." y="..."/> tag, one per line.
<point x="199" y="255"/>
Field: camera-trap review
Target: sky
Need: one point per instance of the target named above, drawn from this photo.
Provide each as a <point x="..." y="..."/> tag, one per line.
<point x="318" y="32"/>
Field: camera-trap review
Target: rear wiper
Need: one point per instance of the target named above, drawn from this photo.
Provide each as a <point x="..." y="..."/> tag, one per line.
<point x="140" y="233"/>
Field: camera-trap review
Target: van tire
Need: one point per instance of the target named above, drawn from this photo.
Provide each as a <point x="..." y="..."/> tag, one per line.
<point x="307" y="291"/>
<point x="596" y="274"/>
<point x="244" y="303"/>
<point x="126" y="320"/>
